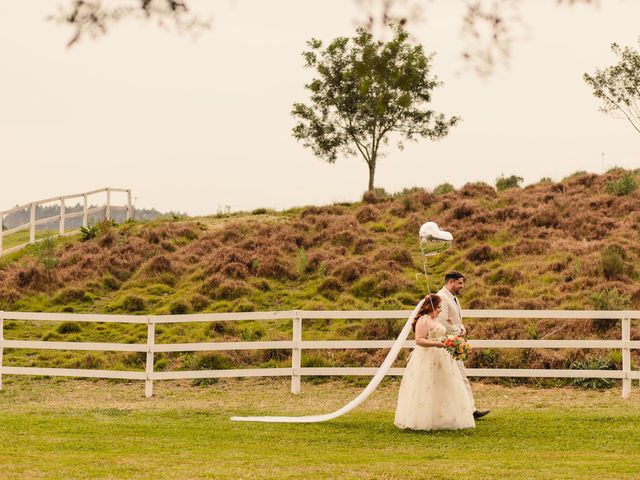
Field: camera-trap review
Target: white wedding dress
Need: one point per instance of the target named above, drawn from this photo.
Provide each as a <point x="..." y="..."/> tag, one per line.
<point x="432" y="393"/>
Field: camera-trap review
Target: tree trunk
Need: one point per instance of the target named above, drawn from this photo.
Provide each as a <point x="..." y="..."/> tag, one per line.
<point x="372" y="173"/>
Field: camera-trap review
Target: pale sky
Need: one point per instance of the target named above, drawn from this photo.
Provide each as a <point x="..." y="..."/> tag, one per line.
<point x="194" y="125"/>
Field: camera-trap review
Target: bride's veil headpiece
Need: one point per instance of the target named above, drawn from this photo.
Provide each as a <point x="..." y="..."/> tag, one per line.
<point x="432" y="242"/>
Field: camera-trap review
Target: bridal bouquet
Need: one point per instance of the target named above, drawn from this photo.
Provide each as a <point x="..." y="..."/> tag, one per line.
<point x="458" y="347"/>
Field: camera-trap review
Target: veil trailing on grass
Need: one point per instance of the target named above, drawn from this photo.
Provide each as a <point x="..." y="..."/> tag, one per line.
<point x="432" y="242"/>
<point x="373" y="384"/>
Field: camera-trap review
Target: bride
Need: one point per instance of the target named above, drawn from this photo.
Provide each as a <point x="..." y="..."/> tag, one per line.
<point x="432" y="393"/>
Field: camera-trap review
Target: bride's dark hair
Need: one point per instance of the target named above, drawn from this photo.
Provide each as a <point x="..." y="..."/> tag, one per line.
<point x="431" y="302"/>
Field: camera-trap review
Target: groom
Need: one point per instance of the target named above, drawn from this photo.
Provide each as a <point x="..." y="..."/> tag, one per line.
<point x="451" y="317"/>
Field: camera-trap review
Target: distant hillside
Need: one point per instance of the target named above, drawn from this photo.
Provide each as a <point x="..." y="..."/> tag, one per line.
<point x="574" y="244"/>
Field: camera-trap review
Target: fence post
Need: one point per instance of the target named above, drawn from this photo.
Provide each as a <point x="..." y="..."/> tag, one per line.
<point x="151" y="337"/>
<point x="1" y="345"/>
<point x="296" y="353"/>
<point x="129" y="209"/>
<point x="32" y="224"/>
<point x="1" y="232"/>
<point x="62" y="214"/>
<point x="626" y="358"/>
<point x="85" y="215"/>
<point x="107" y="213"/>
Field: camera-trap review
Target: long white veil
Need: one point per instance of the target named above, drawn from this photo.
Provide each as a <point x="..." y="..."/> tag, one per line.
<point x="432" y="241"/>
<point x="373" y="384"/>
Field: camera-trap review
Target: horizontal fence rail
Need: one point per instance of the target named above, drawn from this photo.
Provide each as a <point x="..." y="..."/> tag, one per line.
<point x="296" y="345"/>
<point x="61" y="218"/>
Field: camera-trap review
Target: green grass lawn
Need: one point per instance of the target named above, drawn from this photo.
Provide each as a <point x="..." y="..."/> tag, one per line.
<point x="103" y="429"/>
<point x="22" y="237"/>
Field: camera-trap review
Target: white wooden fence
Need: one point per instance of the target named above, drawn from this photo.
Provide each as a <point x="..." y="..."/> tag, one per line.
<point x="107" y="207"/>
<point x="296" y="345"/>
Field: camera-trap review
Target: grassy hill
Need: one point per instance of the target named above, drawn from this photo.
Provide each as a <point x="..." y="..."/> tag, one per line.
<point x="574" y="244"/>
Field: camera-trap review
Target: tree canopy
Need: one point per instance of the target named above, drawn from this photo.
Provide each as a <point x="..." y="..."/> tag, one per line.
<point x="367" y="92"/>
<point x="618" y="86"/>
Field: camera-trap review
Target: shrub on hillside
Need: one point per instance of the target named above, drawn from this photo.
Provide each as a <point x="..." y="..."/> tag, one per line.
<point x="350" y="270"/>
<point x="463" y="210"/>
<point x="390" y="285"/>
<point x="612" y="262"/>
<point x="88" y="232"/>
<point x="590" y="226"/>
<point x="168" y="246"/>
<point x="235" y="270"/>
<point x="222" y="329"/>
<point x="547" y="217"/>
<point x="443" y="189"/>
<point x="376" y="195"/>
<point x="32" y="276"/>
<point x="69" y="327"/>
<point x="224" y="256"/>
<point x="207" y="361"/>
<point x="625" y="185"/>
<point x="501" y="291"/>
<point x="110" y="282"/>
<point x="363" y="245"/>
<point x="366" y="214"/>
<point x="8" y="296"/>
<point x="510" y="213"/>
<point x="133" y="303"/>
<point x="90" y="361"/>
<point x="159" y="264"/>
<point x="302" y="262"/>
<point x="478" y="189"/>
<point x="322" y="211"/>
<point x="199" y="302"/>
<point x="379" y="329"/>
<point x="231" y="289"/>
<point x="364" y="287"/>
<point x="506" y="276"/>
<point x="482" y="254"/>
<point x="317" y="258"/>
<point x="251" y="332"/>
<point x="399" y="255"/>
<point x="425" y="198"/>
<point x="71" y="294"/>
<point x="211" y="284"/>
<point x="179" y="307"/>
<point x="344" y="238"/>
<point x="610" y="299"/>
<point x="330" y="287"/>
<point x="244" y="306"/>
<point x="505" y="183"/>
<point x="272" y="266"/>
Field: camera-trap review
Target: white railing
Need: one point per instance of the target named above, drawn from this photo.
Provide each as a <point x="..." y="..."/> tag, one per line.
<point x="296" y="345"/>
<point x="106" y="208"/>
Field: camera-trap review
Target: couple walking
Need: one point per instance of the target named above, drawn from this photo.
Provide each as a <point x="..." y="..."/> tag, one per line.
<point x="435" y="393"/>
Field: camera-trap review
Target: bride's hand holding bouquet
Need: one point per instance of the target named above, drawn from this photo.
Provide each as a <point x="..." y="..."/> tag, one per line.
<point x="457" y="346"/>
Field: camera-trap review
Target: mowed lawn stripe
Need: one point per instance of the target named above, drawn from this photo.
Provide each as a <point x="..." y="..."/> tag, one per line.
<point x="188" y="443"/>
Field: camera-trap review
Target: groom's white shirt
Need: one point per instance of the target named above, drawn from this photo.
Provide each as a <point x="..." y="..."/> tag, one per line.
<point x="450" y="312"/>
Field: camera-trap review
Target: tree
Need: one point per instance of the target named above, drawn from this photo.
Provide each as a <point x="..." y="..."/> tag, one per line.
<point x="93" y="18"/>
<point x="488" y="27"/>
<point x="618" y="86"/>
<point x="366" y="92"/>
<point x="504" y="183"/>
